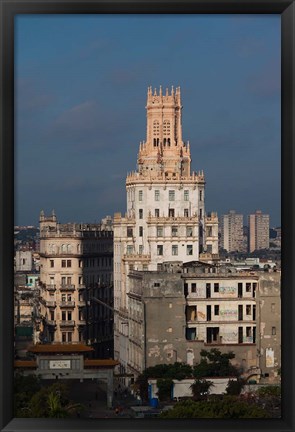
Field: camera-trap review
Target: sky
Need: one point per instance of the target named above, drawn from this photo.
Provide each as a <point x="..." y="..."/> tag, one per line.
<point x="80" y="95"/>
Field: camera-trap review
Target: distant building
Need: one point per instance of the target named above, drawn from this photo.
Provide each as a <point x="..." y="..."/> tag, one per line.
<point x="258" y="231"/>
<point x="23" y="261"/>
<point x="232" y="232"/>
<point x="76" y="284"/>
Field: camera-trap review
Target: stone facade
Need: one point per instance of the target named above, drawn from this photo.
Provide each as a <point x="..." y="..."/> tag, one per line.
<point x="176" y="313"/>
<point x="76" y="265"/>
<point x="165" y="218"/>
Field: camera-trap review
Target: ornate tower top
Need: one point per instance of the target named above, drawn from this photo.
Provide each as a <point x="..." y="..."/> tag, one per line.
<point x="164" y="152"/>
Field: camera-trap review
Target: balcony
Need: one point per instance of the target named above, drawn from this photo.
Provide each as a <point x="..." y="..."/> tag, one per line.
<point x="81" y="286"/>
<point x="50" y="303"/>
<point x="51" y="322"/>
<point x="65" y="304"/>
<point x="66" y="287"/>
<point x="51" y="287"/>
<point x="69" y="323"/>
<point x="81" y="303"/>
<point x="81" y="322"/>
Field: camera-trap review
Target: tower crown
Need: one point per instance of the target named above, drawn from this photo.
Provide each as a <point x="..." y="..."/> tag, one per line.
<point x="164" y="150"/>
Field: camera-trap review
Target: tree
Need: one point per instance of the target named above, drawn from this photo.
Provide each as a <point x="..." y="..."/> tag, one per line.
<point x="200" y="389"/>
<point x="234" y="387"/>
<point x="177" y="371"/>
<point x="225" y="407"/>
<point x="164" y="388"/>
<point x="215" y="364"/>
<point x="43" y="402"/>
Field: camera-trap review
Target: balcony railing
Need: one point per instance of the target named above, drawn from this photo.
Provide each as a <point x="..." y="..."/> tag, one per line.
<point x="50" y="303"/>
<point x="67" y="287"/>
<point x="51" y="287"/>
<point x="69" y="323"/>
<point x="51" y="322"/>
<point x="69" y="304"/>
<point x="81" y="286"/>
<point x="82" y="322"/>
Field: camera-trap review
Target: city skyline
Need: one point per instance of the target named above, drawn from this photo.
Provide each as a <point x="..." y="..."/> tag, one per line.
<point x="80" y="109"/>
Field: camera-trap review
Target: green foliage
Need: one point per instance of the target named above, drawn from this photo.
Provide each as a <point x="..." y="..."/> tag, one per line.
<point x="226" y="407"/>
<point x="33" y="400"/>
<point x="200" y="389"/>
<point x="24" y="389"/>
<point x="269" y="391"/>
<point x="215" y="364"/>
<point x="164" y="388"/>
<point x="234" y="387"/>
<point x="176" y="371"/>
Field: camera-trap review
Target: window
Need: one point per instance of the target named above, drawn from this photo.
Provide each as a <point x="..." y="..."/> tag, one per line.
<point x="185" y="212"/>
<point x="140" y="249"/>
<point x="63" y="297"/>
<point x="240" y="289"/>
<point x="80" y="264"/>
<point x="63" y="280"/>
<point x="140" y="195"/>
<point x="129" y="232"/>
<point x="273" y="331"/>
<point x="69" y="337"/>
<point x="201" y="213"/>
<point x="69" y="263"/>
<point x="171" y="212"/>
<point x="186" y="195"/>
<point x="248" y="287"/>
<point x="159" y="231"/>
<point x="63" y="316"/>
<point x="201" y="195"/>
<point x="189" y="249"/>
<point x="64" y="337"/>
<point x="159" y="267"/>
<point x="171" y="195"/>
<point x="51" y="263"/>
<point x="160" y="250"/>
<point x="216" y="310"/>
<point x="140" y="213"/>
<point x="63" y="263"/>
<point x="129" y="249"/>
<point x="174" y="250"/>
<point x="156" y="284"/>
<point x="174" y="231"/>
<point x="216" y="287"/>
<point x="189" y="231"/>
<point x="248" y="309"/>
<point x="140" y="231"/>
<point x="248" y="332"/>
<point x="157" y="195"/>
<point x="157" y="212"/>
<point x="194" y="287"/>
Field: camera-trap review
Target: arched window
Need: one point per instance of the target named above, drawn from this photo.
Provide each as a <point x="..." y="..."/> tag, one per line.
<point x="156" y="132"/>
<point x="63" y="248"/>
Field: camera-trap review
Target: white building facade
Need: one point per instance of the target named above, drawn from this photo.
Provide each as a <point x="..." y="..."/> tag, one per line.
<point x="165" y="218"/>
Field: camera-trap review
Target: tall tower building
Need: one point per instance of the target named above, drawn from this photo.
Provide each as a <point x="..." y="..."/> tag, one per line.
<point x="258" y="231"/>
<point x="232" y="231"/>
<point x="165" y="218"/>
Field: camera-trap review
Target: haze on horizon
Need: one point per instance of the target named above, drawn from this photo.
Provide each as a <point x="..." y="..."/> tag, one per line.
<point x="80" y="95"/>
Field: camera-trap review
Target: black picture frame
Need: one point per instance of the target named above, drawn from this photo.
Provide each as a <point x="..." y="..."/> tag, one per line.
<point x="9" y="8"/>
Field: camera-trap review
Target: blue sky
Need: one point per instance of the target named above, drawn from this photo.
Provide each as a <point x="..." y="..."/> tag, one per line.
<point x="80" y="95"/>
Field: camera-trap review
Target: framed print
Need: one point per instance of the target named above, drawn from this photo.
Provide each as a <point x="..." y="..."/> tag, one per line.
<point x="147" y="215"/>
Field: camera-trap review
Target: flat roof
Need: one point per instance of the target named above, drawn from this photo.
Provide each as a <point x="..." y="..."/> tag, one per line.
<point x="59" y="348"/>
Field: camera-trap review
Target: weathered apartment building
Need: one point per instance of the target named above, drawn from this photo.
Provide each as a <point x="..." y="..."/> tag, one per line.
<point x="165" y="218"/>
<point x="76" y="283"/>
<point x="176" y="313"/>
